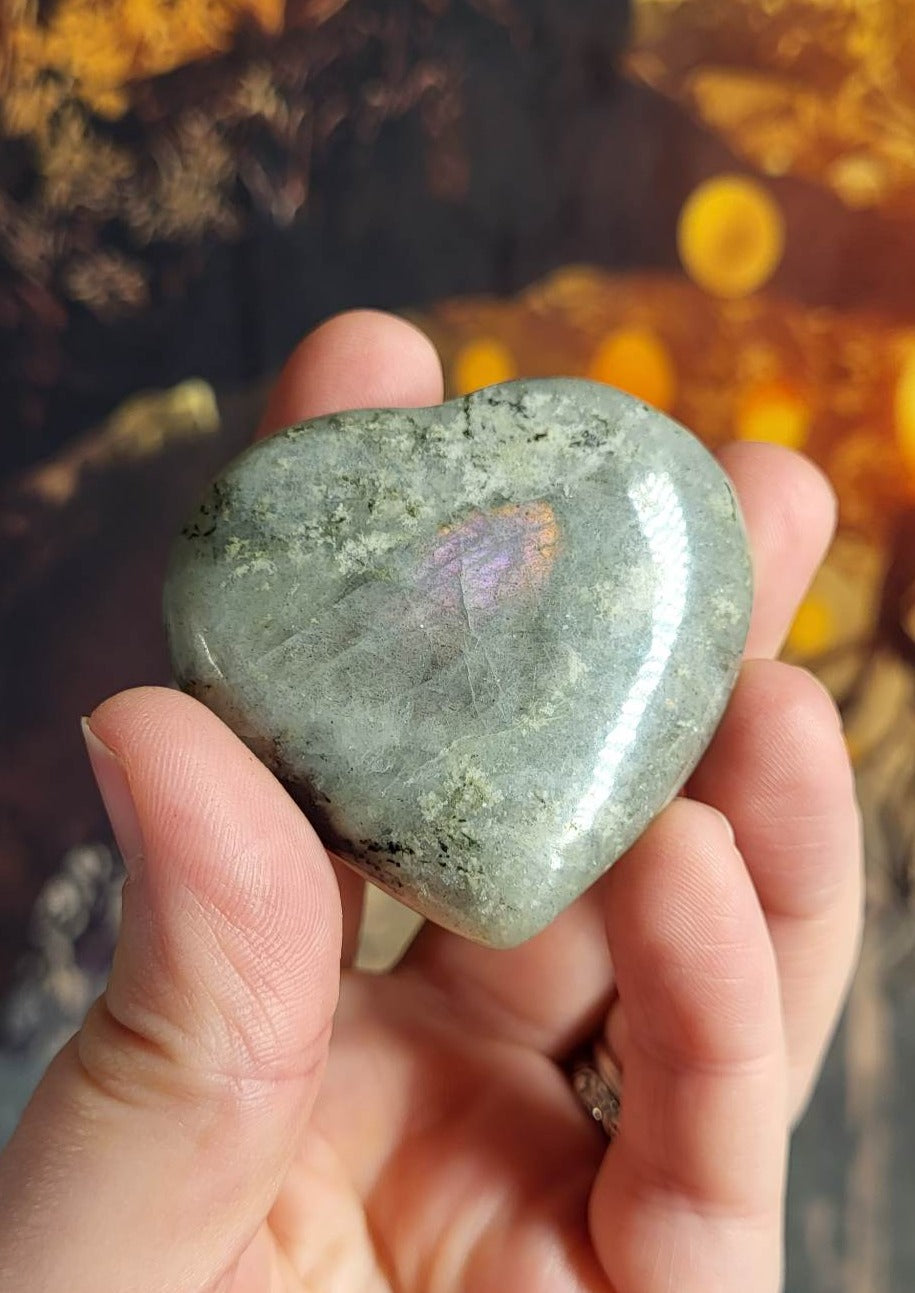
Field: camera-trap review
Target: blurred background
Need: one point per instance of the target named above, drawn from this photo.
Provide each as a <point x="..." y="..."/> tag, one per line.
<point x="709" y="203"/>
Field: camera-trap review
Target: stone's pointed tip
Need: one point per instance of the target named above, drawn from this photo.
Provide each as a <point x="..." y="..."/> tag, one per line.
<point x="485" y="641"/>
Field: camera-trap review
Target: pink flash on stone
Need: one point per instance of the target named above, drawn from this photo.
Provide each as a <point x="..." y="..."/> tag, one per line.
<point x="491" y="558"/>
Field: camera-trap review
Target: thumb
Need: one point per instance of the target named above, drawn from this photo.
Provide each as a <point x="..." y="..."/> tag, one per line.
<point x="155" y="1145"/>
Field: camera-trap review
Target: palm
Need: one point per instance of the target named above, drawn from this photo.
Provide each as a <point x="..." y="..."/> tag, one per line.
<point x="439" y="1157"/>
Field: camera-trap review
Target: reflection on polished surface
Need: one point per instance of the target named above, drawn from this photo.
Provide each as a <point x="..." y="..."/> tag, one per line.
<point x="663" y="525"/>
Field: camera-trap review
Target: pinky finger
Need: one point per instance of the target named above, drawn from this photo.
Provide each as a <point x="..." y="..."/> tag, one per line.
<point x="690" y="1196"/>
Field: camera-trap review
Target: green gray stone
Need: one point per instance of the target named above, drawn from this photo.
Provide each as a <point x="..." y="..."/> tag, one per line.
<point x="484" y="644"/>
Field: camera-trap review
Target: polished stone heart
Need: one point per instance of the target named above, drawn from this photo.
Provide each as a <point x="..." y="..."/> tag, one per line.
<point x="483" y="644"/>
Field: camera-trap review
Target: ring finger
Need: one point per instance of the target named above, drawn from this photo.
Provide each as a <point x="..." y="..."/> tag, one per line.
<point x="780" y="773"/>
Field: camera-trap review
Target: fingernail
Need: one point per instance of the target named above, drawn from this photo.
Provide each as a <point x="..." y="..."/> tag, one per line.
<point x="114" y="788"/>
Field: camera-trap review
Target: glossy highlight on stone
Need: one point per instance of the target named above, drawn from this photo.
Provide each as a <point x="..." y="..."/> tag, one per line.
<point x="483" y="644"/>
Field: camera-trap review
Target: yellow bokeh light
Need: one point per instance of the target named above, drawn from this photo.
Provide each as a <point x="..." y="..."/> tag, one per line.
<point x="635" y="359"/>
<point x="731" y="236"/>
<point x="485" y="361"/>
<point x="905" y="409"/>
<point x="814" y="628"/>
<point x="774" y="411"/>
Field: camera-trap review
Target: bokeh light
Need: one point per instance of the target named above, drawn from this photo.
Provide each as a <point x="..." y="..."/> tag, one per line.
<point x="485" y="361"/>
<point x="635" y="359"/>
<point x="814" y="628"/>
<point x="774" y="411"/>
<point x="731" y="236"/>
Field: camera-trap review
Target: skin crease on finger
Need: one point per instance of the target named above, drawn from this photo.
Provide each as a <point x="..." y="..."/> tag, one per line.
<point x="446" y="1152"/>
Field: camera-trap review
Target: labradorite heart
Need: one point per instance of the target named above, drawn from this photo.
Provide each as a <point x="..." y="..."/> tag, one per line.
<point x="483" y="644"/>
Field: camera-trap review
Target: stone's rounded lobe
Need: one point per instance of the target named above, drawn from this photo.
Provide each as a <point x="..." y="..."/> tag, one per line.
<point x="483" y="644"/>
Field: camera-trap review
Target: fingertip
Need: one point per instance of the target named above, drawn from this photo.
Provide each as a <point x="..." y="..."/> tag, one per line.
<point x="790" y="511"/>
<point x="689" y="847"/>
<point x="358" y="359"/>
<point x="693" y="961"/>
<point x="127" y="712"/>
<point x="773" y="465"/>
<point x="789" y="785"/>
<point x="802" y="721"/>
<point x="784" y="495"/>
<point x="214" y="819"/>
<point x="162" y="736"/>
<point x="805" y="495"/>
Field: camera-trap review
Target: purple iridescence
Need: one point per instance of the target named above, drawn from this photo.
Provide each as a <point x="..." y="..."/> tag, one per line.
<point x="491" y="558"/>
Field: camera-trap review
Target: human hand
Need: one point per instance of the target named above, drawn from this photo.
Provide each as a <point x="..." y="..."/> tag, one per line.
<point x="204" y="1132"/>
